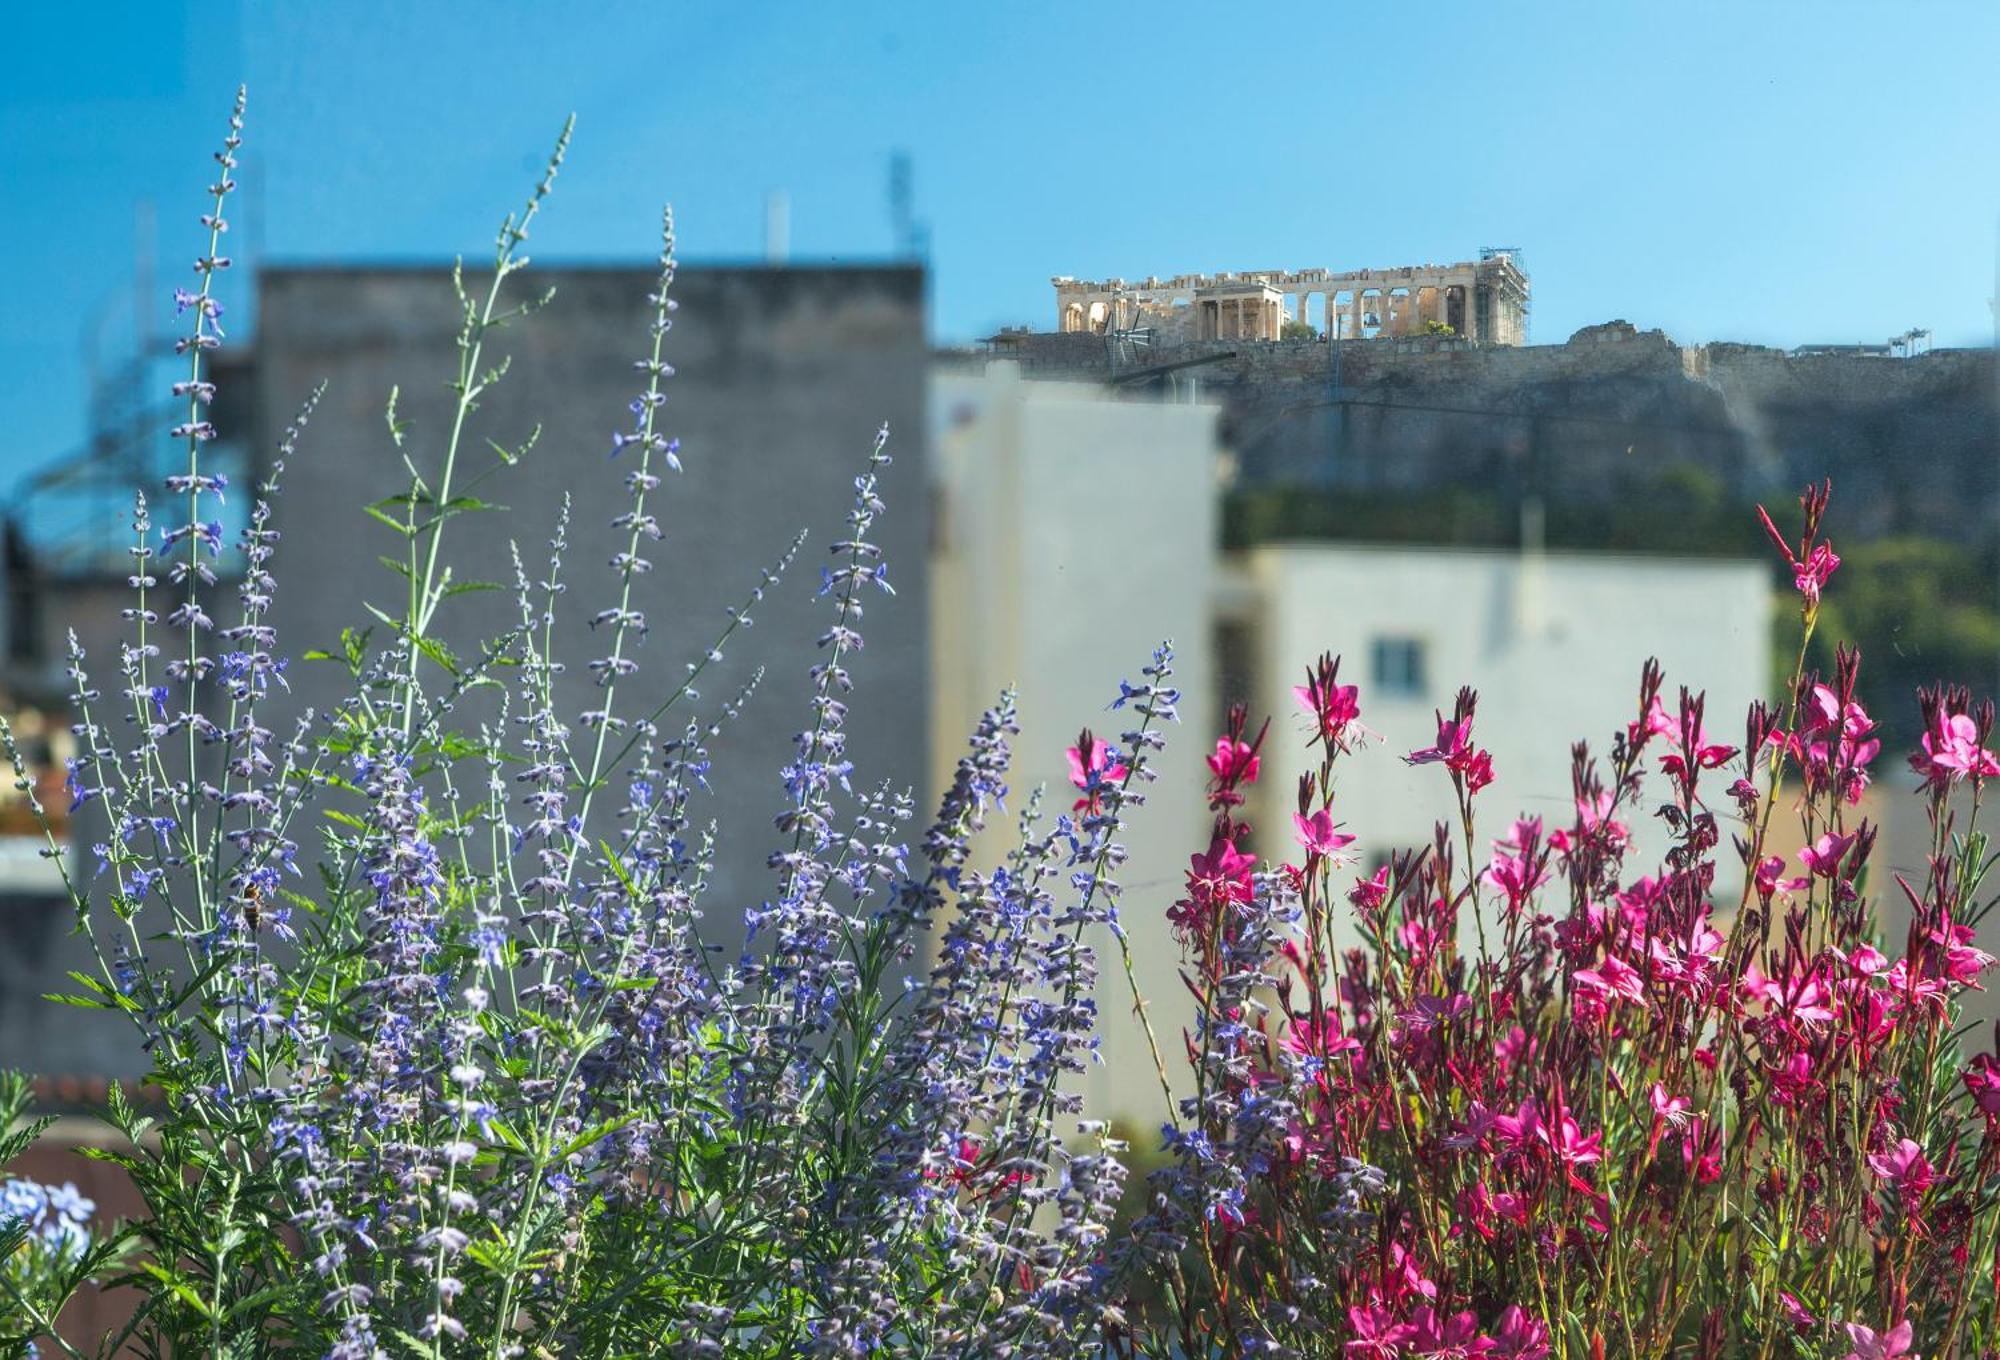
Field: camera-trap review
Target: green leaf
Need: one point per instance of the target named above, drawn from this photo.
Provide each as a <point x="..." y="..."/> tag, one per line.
<point x="617" y="869"/>
<point x="84" y="1002"/>
<point x="416" y="1346"/>
<point x="401" y="528"/>
<point x="461" y="505"/>
<point x="595" y="1135"/>
<point x="179" y="1290"/>
<point x="355" y="646"/>
<point x="439" y="653"/>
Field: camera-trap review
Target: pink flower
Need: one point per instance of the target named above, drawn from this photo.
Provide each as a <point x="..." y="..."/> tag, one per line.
<point x="1872" y="1345"/>
<point x="1215" y="881"/>
<point x="1593" y="821"/>
<point x="1982" y="1083"/>
<point x="1428" y="1012"/>
<point x="1810" y="576"/>
<point x="1235" y="762"/>
<point x="1823" y="856"/>
<point x="1685" y="962"/>
<point x="1792" y="1079"/>
<point x="1836" y="743"/>
<point x="1370" y="893"/>
<point x="1377" y="1333"/>
<point x="1405" y="1278"/>
<point x="1574" y="1148"/>
<point x="1866" y="960"/>
<point x="1487" y="1209"/>
<point x="1796" y="1313"/>
<point x="1222" y="874"/>
<point x="1951" y="752"/>
<point x="1317" y="834"/>
<point x="1704" y="754"/>
<point x="1769" y="882"/>
<point x="1950" y="950"/>
<point x="1916" y="988"/>
<point x="1813" y="571"/>
<point x="1530" y="1133"/>
<point x="1454" y="742"/>
<point x="1478" y="771"/>
<point x="1515" y="1047"/>
<point x="1614" y="980"/>
<point x="1524" y="1128"/>
<point x="1905" y="1168"/>
<point x="1519" y="1337"/>
<point x="1455" y="750"/>
<point x="1701" y="1152"/>
<point x="1657" y="723"/>
<point x="1671" y="1110"/>
<point x="1320" y="1037"/>
<point x="1334" y="706"/>
<point x="1448" y="1338"/>
<point x="1092" y="765"/>
<point x="1518" y="866"/>
<point x="1803" y="998"/>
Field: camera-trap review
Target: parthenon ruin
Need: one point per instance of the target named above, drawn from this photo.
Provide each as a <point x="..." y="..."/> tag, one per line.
<point x="1484" y="299"/>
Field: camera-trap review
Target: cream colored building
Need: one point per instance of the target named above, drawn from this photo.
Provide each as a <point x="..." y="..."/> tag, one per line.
<point x="1553" y="643"/>
<point x="1074" y="531"/>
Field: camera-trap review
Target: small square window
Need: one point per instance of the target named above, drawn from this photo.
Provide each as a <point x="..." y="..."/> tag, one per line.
<point x="1399" y="667"/>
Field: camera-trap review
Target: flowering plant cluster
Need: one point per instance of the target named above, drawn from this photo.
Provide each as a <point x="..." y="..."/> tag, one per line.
<point x="48" y="1248"/>
<point x="451" y="1062"/>
<point x="1560" y="1102"/>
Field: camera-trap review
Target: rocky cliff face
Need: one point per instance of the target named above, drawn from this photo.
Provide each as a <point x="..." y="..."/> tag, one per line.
<point x="1913" y="444"/>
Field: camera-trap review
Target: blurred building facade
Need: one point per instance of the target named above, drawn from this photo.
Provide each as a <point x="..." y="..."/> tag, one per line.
<point x="782" y="377"/>
<point x="1075" y="531"/>
<point x="1553" y="642"/>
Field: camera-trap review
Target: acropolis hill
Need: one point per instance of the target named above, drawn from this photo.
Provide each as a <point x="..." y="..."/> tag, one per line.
<point x="1399" y="396"/>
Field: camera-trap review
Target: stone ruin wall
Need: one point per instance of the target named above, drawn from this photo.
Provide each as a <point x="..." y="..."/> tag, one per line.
<point x="1485" y="299"/>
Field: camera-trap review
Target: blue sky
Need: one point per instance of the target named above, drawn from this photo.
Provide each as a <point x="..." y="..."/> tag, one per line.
<point x="1773" y="172"/>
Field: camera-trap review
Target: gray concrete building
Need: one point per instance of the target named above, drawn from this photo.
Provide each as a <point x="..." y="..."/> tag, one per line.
<point x="783" y="376"/>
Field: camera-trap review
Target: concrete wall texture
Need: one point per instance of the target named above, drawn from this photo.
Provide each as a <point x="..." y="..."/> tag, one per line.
<point x="1075" y="532"/>
<point x="783" y="377"/>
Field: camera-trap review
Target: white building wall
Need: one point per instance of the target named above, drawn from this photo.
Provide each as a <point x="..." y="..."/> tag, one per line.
<point x="1553" y="643"/>
<point x="1074" y="532"/>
